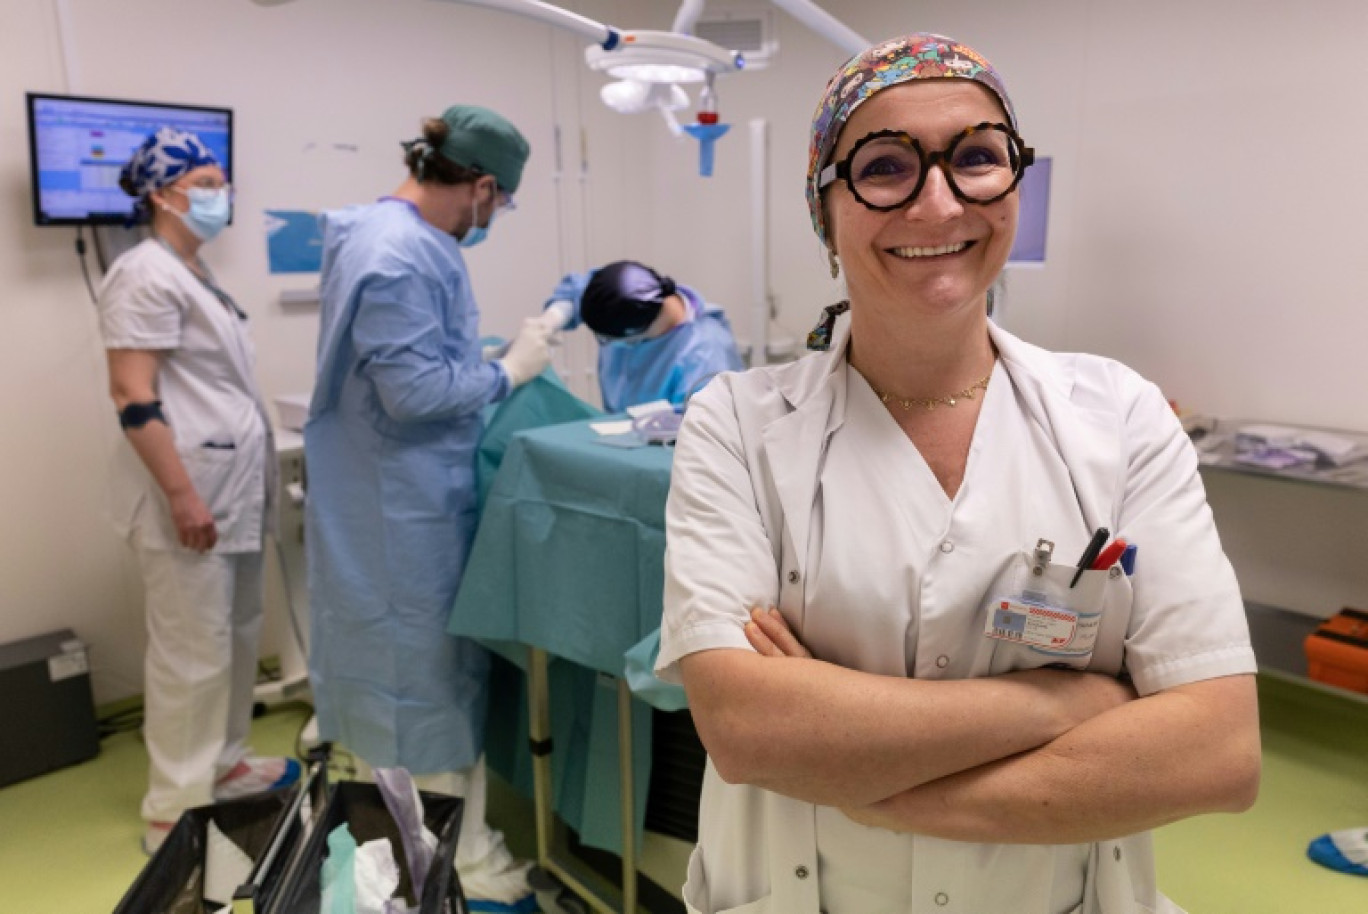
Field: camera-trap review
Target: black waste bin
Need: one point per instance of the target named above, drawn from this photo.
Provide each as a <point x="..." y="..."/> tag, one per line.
<point x="172" y="882"/>
<point x="363" y="809"/>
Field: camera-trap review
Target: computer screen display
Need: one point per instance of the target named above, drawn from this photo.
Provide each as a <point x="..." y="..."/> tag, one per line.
<point x="78" y="145"/>
<point x="1034" y="215"/>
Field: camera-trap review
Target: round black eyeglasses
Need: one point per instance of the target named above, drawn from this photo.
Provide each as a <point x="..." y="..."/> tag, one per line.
<point x="887" y="169"/>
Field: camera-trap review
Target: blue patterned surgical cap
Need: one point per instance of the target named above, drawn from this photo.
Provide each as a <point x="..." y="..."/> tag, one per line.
<point x="162" y="158"/>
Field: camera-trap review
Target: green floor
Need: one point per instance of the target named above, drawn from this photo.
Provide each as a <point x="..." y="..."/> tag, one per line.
<point x="1315" y="779"/>
<point x="69" y="840"/>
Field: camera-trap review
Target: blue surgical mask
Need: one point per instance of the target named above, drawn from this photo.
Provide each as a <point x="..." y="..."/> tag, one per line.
<point x="477" y="233"/>
<point x="634" y="340"/>
<point x="210" y="209"/>
<point x="474" y="236"/>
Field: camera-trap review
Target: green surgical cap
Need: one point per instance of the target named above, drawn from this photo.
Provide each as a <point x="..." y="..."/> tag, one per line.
<point x="486" y="142"/>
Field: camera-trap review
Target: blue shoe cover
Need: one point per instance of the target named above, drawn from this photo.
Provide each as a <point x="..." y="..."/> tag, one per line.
<point x="525" y="905"/>
<point x="290" y="775"/>
<point x="1324" y="851"/>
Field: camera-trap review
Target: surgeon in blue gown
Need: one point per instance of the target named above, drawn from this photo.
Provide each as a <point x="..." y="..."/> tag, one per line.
<point x="658" y="340"/>
<point x="390" y="448"/>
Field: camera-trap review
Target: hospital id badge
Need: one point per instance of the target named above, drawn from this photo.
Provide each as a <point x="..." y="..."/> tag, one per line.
<point x="1045" y="627"/>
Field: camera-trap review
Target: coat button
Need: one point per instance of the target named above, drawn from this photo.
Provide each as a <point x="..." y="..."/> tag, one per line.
<point x="942" y="899"/>
<point x="801" y="872"/>
<point x="947" y="547"/>
<point x="1116" y="571"/>
<point x="793" y="577"/>
<point x="942" y="661"/>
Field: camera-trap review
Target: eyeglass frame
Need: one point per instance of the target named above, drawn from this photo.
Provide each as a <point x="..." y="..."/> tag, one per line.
<point x="185" y="189"/>
<point x="502" y="199"/>
<point x="937" y="159"/>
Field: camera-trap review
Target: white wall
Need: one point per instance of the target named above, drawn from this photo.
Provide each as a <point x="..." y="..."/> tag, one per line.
<point x="1205" y="227"/>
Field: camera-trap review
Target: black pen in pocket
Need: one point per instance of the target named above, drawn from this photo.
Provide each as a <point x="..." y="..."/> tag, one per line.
<point x="1099" y="539"/>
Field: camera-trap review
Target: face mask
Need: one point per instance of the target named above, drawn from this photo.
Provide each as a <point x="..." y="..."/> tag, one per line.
<point x="624" y="341"/>
<point x="476" y="233"/>
<point x="208" y="213"/>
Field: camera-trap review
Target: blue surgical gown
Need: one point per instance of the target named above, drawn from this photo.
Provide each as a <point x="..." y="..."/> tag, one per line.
<point x="673" y="366"/>
<point x="391" y="507"/>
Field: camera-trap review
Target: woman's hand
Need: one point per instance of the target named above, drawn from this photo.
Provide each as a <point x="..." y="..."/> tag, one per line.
<point x="133" y="379"/>
<point x="878" y="815"/>
<point x="194" y="522"/>
<point x="769" y="634"/>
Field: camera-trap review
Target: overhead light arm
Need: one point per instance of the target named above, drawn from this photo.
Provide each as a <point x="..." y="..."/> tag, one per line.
<point x="646" y="55"/>
<point x="608" y="38"/>
<point x="605" y="36"/>
<point x="824" y="24"/>
<point x="687" y="17"/>
<point x="673" y="50"/>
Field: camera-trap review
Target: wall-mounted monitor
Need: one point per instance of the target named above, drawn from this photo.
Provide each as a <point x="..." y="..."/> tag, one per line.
<point x="1034" y="216"/>
<point x="78" y="145"/>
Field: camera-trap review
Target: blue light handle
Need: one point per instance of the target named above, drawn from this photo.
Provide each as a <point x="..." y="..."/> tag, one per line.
<point x="706" y="134"/>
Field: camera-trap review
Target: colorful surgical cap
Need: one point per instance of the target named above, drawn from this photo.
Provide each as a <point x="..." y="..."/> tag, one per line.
<point x="921" y="55"/>
<point x="162" y="158"/>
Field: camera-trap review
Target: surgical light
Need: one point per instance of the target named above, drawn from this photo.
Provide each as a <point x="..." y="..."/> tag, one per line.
<point x="629" y="96"/>
<point x="662" y="57"/>
<point x="657" y="73"/>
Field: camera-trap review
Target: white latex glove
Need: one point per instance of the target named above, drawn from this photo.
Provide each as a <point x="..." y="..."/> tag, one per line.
<point x="529" y="353"/>
<point x="557" y="314"/>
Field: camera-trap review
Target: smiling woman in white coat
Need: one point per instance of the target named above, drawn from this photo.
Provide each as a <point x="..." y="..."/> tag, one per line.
<point x="952" y="614"/>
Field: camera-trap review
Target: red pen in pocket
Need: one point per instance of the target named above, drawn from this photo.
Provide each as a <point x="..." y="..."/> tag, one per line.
<point x="1109" y="556"/>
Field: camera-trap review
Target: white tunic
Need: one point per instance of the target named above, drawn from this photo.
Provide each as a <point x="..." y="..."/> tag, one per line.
<point x="150" y="300"/>
<point x="793" y="486"/>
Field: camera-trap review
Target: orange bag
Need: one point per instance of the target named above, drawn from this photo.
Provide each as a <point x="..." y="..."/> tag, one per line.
<point x="1337" y="651"/>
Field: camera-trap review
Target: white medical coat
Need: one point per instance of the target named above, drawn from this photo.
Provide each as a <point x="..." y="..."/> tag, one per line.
<point x="150" y="300"/>
<point x="793" y="487"/>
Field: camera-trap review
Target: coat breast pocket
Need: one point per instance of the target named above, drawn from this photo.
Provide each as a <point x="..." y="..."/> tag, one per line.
<point x="1037" y="616"/>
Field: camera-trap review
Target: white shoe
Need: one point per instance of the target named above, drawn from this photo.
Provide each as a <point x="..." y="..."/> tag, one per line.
<point x="257" y="774"/>
<point x="497" y="882"/>
<point x="155" y="836"/>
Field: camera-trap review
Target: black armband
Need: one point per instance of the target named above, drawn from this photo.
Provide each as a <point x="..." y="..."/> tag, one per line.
<point x="136" y="415"/>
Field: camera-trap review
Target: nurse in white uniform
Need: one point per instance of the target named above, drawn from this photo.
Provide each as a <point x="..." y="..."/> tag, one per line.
<point x="911" y="698"/>
<point x="194" y="483"/>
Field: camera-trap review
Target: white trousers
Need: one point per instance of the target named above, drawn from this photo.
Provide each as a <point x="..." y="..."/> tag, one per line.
<point x="203" y="626"/>
<point x="477" y="841"/>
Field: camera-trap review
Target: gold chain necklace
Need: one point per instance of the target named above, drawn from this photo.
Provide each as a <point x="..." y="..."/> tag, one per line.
<point x="932" y="402"/>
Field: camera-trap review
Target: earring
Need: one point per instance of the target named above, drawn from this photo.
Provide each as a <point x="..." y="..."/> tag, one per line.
<point x="835" y="266"/>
